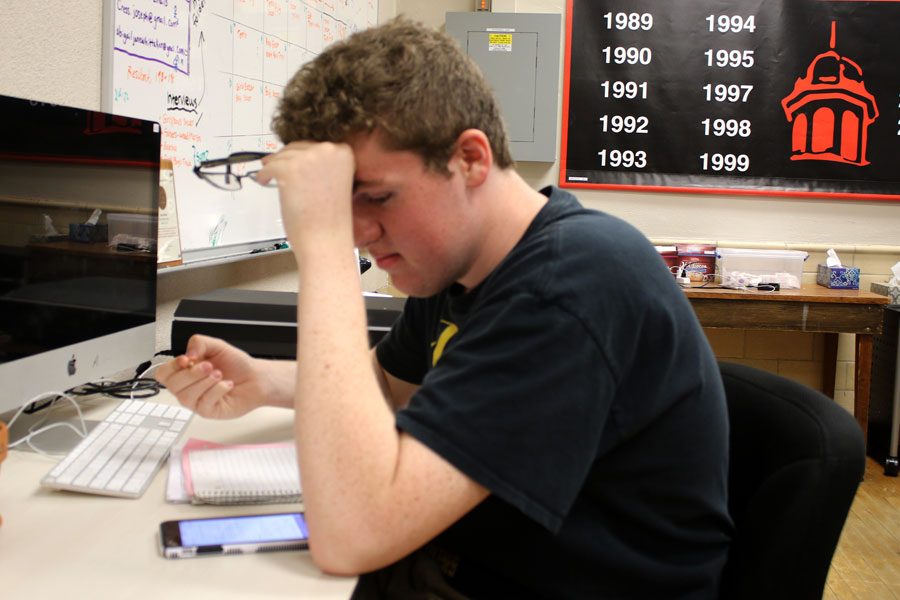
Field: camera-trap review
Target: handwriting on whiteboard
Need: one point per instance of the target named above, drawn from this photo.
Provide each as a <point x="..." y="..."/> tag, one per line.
<point x="158" y="34"/>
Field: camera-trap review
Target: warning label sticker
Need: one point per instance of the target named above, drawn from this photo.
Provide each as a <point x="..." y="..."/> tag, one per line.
<point x="500" y="42"/>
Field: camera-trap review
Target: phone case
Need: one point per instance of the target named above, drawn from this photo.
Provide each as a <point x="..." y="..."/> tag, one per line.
<point x="171" y="545"/>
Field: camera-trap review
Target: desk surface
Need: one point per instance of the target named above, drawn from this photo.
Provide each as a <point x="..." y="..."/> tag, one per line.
<point x="65" y="545"/>
<point x="808" y="293"/>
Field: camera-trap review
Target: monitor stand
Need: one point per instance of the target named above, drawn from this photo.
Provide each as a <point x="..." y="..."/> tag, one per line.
<point x="57" y="441"/>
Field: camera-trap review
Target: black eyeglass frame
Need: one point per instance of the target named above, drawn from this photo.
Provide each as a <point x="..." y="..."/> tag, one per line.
<point x="235" y="158"/>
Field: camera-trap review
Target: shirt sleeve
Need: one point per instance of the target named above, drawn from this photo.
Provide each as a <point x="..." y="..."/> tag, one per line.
<point x="402" y="352"/>
<point x="517" y="402"/>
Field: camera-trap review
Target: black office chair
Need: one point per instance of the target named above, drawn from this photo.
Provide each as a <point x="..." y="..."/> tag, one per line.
<point x="796" y="461"/>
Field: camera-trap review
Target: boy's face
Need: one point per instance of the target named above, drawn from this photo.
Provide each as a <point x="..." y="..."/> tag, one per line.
<point x="419" y="226"/>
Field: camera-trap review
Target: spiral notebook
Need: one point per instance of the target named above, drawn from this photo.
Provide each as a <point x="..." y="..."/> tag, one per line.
<point x="241" y="474"/>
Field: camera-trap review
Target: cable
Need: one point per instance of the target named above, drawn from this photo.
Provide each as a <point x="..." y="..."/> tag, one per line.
<point x="33" y="407"/>
<point x="147" y="367"/>
<point x="765" y="287"/>
<point x="56" y="396"/>
<point x="33" y="432"/>
<point x="137" y="387"/>
<point x="712" y="281"/>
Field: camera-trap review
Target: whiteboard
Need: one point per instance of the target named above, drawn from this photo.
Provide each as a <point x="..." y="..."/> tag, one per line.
<point x="211" y="73"/>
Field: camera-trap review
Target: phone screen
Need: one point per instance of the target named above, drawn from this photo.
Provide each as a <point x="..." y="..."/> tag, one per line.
<point x="248" y="529"/>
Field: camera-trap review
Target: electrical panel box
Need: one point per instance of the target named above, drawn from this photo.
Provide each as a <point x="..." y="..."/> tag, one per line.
<point x="519" y="56"/>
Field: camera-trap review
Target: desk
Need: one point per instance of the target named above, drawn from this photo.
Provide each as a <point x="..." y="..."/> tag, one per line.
<point x="66" y="545"/>
<point x="814" y="309"/>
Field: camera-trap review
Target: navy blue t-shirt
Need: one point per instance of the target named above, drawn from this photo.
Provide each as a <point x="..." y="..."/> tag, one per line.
<point x="576" y="385"/>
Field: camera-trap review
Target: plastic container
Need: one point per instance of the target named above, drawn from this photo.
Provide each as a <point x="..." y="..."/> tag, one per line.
<point x="740" y="267"/>
<point x="132" y="225"/>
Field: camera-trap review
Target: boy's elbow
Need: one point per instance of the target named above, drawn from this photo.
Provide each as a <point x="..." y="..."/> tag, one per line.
<point x="342" y="563"/>
<point x="345" y="560"/>
<point x="329" y="564"/>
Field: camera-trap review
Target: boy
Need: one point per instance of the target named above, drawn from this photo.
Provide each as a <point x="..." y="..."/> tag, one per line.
<point x="545" y="419"/>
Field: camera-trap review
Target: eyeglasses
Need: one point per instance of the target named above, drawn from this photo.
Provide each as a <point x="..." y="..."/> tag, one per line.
<point x="227" y="173"/>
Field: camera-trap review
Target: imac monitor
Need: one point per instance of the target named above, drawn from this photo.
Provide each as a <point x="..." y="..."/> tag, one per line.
<point x="76" y="304"/>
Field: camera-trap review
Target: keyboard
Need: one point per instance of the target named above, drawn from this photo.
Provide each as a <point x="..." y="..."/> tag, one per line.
<point x="120" y="456"/>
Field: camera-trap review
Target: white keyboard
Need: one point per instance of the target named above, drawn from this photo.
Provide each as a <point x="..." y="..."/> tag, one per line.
<point x="120" y="456"/>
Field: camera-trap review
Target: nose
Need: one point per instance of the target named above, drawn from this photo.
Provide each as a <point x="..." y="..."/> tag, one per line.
<point x="366" y="229"/>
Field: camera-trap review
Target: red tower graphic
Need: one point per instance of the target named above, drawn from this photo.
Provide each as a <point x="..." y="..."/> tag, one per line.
<point x="99" y="123"/>
<point x="831" y="110"/>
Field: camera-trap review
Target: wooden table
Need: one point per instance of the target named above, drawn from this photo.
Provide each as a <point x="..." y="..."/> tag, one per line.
<point x="814" y="309"/>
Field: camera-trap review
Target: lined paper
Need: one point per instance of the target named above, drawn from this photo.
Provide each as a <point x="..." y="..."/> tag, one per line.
<point x="242" y="474"/>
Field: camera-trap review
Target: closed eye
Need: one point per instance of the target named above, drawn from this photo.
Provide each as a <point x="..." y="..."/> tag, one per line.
<point x="376" y="198"/>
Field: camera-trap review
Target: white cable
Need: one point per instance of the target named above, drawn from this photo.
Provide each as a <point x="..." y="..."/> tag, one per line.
<point x="148" y="369"/>
<point x="27" y="438"/>
<point x="32" y="432"/>
<point x="141" y="376"/>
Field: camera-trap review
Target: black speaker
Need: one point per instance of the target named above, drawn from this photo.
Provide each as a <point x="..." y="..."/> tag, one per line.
<point x="263" y="323"/>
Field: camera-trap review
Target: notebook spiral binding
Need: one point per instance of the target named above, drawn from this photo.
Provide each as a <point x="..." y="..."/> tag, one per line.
<point x="235" y="497"/>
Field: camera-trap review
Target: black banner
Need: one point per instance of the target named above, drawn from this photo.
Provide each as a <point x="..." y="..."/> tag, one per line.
<point x="775" y="97"/>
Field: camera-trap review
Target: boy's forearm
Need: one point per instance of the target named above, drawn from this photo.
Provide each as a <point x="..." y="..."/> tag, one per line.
<point x="346" y="437"/>
<point x="281" y="376"/>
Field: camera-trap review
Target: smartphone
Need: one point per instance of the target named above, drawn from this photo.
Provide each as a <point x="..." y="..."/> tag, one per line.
<point x="242" y="534"/>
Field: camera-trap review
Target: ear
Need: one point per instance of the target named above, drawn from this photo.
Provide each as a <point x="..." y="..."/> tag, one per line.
<point x="473" y="156"/>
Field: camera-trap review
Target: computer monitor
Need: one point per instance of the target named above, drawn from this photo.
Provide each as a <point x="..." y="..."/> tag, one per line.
<point x="74" y="308"/>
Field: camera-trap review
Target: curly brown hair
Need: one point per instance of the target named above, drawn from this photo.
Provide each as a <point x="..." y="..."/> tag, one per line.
<point x="412" y="83"/>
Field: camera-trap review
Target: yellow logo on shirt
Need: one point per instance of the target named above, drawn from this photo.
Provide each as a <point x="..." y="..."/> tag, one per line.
<point x="449" y="331"/>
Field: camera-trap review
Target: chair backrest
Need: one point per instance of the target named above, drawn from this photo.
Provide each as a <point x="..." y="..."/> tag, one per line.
<point x="796" y="460"/>
<point x="4" y="442"/>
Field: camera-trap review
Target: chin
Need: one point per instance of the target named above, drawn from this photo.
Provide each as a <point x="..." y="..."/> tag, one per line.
<point x="416" y="288"/>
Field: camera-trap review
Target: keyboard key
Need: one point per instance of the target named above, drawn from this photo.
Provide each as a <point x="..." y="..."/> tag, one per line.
<point x="121" y="455"/>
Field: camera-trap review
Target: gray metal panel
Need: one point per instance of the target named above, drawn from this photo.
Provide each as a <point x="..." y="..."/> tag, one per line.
<point x="513" y="77"/>
<point x="525" y="76"/>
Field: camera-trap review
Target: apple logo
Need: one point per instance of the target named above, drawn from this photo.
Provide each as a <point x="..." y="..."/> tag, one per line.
<point x="70" y="367"/>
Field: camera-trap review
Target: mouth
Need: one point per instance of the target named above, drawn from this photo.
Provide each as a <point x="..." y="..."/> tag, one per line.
<point x="386" y="261"/>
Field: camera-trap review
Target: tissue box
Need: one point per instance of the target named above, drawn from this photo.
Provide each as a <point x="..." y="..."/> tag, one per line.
<point x="839" y="278"/>
<point x="886" y="289"/>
